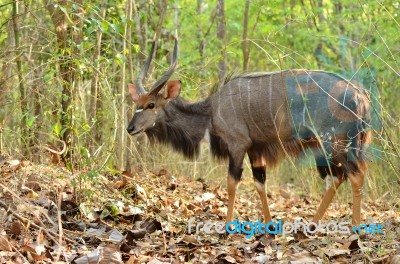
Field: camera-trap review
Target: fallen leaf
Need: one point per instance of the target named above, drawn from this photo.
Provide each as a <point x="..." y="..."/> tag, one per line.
<point x="4" y="244"/>
<point x="16" y="228"/>
<point x="13" y="163"/>
<point x="261" y="259"/>
<point x="207" y="196"/>
<point x="98" y="232"/>
<point x="395" y="259"/>
<point x="111" y="254"/>
<point x="229" y="259"/>
<point x="140" y="192"/>
<point x="284" y="194"/>
<point x="89" y="212"/>
<point x="190" y="239"/>
<point x="333" y="252"/>
<point x="115" y="236"/>
<point x="134" y="235"/>
<point x="92" y="257"/>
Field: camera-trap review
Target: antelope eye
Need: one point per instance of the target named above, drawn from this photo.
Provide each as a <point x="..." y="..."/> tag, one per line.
<point x="150" y="106"/>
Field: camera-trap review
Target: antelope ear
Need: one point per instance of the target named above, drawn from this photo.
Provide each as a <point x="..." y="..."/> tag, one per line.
<point x="133" y="91"/>
<point x="172" y="89"/>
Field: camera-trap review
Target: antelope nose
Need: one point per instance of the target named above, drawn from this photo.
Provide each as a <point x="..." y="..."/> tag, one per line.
<point x="130" y="129"/>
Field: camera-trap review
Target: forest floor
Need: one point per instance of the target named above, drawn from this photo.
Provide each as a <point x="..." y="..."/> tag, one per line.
<point x="137" y="217"/>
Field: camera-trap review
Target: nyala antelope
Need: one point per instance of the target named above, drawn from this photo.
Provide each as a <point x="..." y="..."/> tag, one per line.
<point x="269" y="116"/>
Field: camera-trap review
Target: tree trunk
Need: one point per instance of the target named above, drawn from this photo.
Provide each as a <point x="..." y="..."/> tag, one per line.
<point x="37" y="94"/>
<point x="157" y="34"/>
<point x="141" y="39"/>
<point x="68" y="74"/>
<point x="123" y="122"/>
<point x="221" y="34"/>
<point x="245" y="44"/>
<point x="176" y="16"/>
<point x="144" y="6"/>
<point x="22" y="90"/>
<point x="202" y="48"/>
<point x="129" y="39"/>
<point x="95" y="99"/>
<point x="321" y="16"/>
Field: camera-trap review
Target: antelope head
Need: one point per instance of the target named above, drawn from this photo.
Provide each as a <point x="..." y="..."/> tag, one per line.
<point x="149" y="105"/>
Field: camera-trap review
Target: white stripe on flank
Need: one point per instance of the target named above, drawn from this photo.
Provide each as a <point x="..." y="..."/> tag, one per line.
<point x="139" y="110"/>
<point x="260" y="85"/>
<point x="270" y="99"/>
<point x="240" y="95"/>
<point x="233" y="106"/>
<point x="222" y="120"/>
<point x="248" y="106"/>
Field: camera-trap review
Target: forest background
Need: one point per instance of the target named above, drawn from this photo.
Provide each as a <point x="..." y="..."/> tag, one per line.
<point x="65" y="66"/>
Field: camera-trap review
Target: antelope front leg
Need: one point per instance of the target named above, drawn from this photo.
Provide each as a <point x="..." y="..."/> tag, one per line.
<point x="234" y="175"/>
<point x="232" y="187"/>
<point x="330" y="192"/>
<point x="236" y="156"/>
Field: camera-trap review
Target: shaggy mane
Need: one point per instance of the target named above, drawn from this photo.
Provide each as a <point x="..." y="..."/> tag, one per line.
<point x="184" y="126"/>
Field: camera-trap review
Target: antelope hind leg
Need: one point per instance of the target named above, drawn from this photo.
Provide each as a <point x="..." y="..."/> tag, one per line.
<point x="259" y="182"/>
<point x="356" y="181"/>
<point x="329" y="194"/>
